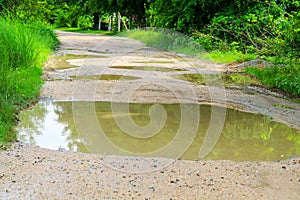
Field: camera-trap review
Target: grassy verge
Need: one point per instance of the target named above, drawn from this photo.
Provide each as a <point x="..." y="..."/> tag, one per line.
<point x="285" y="77"/>
<point x="80" y="30"/>
<point x="24" y="48"/>
<point x="230" y="57"/>
<point x="165" y="40"/>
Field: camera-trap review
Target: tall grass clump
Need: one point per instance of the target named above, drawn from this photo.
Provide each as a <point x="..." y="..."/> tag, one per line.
<point x="165" y="39"/>
<point x="24" y="48"/>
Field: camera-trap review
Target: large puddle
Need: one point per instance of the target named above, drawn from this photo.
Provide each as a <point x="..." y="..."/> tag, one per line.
<point x="83" y="127"/>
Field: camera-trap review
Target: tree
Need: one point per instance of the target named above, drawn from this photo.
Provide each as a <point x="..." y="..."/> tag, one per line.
<point x="135" y="9"/>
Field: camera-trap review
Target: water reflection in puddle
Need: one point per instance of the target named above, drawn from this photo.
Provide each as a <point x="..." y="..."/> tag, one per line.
<point x="60" y="62"/>
<point x="245" y="136"/>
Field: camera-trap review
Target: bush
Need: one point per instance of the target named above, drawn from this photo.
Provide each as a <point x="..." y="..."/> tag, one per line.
<point x="85" y="22"/>
<point x="24" y="47"/>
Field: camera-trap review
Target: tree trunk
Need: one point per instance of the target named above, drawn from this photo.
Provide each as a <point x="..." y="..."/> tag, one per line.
<point x="119" y="22"/>
<point x="119" y="15"/>
<point x="109" y="24"/>
<point x="99" y="24"/>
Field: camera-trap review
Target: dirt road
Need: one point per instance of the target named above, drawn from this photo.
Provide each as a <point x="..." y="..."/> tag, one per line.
<point x="28" y="172"/>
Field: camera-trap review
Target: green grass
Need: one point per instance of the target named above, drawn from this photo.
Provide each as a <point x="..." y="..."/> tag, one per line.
<point x="165" y="40"/>
<point x="177" y="42"/>
<point x="283" y="77"/>
<point x="24" y="48"/>
<point x="227" y="57"/>
<point x="80" y="30"/>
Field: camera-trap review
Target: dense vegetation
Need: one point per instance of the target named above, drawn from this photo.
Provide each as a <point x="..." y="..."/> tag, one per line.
<point x="231" y="31"/>
<point x="24" y="47"/>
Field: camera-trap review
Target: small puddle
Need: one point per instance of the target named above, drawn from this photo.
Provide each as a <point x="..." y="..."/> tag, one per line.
<point x="146" y="68"/>
<point x="106" y="77"/>
<point x="61" y="62"/>
<point x="244" y="137"/>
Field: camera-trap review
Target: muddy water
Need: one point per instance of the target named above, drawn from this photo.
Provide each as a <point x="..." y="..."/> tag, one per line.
<point x="60" y="62"/>
<point x="245" y="136"/>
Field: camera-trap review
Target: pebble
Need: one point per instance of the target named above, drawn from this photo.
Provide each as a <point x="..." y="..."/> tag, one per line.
<point x="132" y="183"/>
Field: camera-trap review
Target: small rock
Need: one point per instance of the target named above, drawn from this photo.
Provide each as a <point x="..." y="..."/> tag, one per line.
<point x="132" y="183"/>
<point x="152" y="188"/>
<point x="283" y="167"/>
<point x="174" y="181"/>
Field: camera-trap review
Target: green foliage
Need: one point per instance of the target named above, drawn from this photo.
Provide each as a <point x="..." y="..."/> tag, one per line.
<point x="72" y="15"/>
<point x="85" y="22"/>
<point x="54" y="12"/>
<point x="183" y="15"/>
<point x="135" y="8"/>
<point x="286" y="78"/>
<point x="24" y="47"/>
<point x="268" y="28"/>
